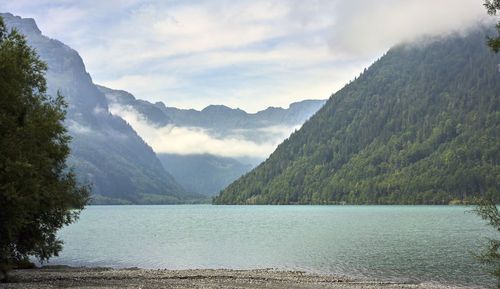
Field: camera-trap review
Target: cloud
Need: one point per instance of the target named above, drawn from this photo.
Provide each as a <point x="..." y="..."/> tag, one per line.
<point x="75" y="127"/>
<point x="99" y="110"/>
<point x="194" y="140"/>
<point x="249" y="53"/>
<point x="365" y="27"/>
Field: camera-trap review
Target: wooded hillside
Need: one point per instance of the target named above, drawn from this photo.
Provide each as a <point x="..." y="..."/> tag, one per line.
<point x="420" y="126"/>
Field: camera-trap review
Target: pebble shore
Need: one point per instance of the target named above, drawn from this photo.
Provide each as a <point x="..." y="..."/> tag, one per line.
<point x="86" y="278"/>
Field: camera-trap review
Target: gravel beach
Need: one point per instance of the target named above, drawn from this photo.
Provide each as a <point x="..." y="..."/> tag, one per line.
<point x="82" y="277"/>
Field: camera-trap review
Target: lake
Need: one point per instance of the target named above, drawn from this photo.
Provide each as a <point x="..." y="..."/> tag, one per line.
<point x="391" y="243"/>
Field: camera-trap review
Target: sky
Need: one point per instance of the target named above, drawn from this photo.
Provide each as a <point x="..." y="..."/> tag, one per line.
<point x="247" y="54"/>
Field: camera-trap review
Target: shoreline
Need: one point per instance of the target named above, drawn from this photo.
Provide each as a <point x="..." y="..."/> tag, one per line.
<point x="96" y="277"/>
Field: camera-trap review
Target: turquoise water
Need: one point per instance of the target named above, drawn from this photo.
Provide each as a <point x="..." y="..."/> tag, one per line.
<point x="392" y="243"/>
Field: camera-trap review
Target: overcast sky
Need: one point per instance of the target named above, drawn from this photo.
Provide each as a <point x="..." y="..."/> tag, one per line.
<point x="249" y="54"/>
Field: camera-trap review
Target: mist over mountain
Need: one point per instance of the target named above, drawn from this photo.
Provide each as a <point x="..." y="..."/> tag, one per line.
<point x="105" y="150"/>
<point x="218" y="119"/>
<point x="206" y="150"/>
<point x="420" y="126"/>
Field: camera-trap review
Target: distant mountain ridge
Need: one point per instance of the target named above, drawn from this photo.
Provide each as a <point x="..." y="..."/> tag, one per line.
<point x="105" y="150"/>
<point x="217" y="117"/>
<point x="207" y="173"/>
<point x="420" y="126"/>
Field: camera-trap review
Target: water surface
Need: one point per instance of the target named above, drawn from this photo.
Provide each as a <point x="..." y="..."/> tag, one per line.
<point x="392" y="243"/>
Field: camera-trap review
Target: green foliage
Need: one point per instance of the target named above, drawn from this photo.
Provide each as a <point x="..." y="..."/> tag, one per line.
<point x="420" y="126"/>
<point x="36" y="187"/>
<point x="493" y="7"/>
<point x="490" y="256"/>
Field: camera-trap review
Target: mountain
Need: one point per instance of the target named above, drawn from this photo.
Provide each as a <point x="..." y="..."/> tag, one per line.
<point x="420" y="126"/>
<point x="105" y="150"/>
<point x="206" y="173"/>
<point x="218" y="118"/>
<point x="153" y="114"/>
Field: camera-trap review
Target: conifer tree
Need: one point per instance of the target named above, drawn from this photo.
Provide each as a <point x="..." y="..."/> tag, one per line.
<point x="493" y="7"/>
<point x="490" y="255"/>
<point x="487" y="209"/>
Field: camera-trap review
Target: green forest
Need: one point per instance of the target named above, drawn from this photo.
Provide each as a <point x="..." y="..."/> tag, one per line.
<point x="421" y="125"/>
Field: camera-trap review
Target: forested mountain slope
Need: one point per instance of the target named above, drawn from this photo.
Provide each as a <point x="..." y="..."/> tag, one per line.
<point x="420" y="126"/>
<point x="105" y="150"/>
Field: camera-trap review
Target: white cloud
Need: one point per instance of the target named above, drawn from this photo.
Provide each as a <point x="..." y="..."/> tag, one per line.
<point x="99" y="110"/>
<point x="365" y="27"/>
<point x="75" y="127"/>
<point x="194" y="140"/>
